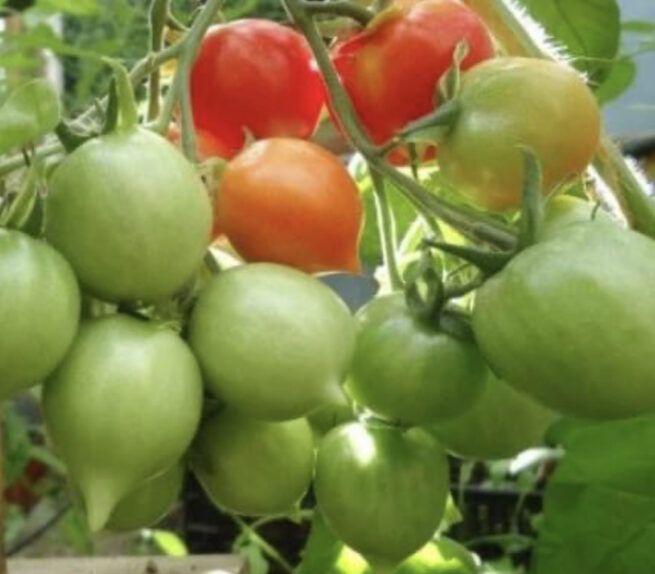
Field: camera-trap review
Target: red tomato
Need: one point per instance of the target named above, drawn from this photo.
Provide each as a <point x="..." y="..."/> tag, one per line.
<point x="291" y="202"/>
<point x="392" y="68"/>
<point x="258" y="76"/>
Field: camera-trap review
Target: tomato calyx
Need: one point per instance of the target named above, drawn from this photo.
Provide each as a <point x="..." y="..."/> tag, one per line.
<point x="429" y="299"/>
<point x="529" y="223"/>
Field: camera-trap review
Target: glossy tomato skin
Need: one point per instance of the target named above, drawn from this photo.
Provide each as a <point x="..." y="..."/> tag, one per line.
<point x="148" y="504"/>
<point x="407" y="370"/>
<point x="511" y="102"/>
<point x="253" y="467"/>
<point x="273" y="342"/>
<point x="131" y="215"/>
<point x="121" y="408"/>
<point x="569" y="322"/>
<point x="291" y="202"/>
<point x="39" y="310"/>
<point x="501" y="424"/>
<point x="382" y="490"/>
<point x="254" y="75"/>
<point x="391" y="70"/>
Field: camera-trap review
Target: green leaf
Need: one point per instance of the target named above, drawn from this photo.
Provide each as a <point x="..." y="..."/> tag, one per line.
<point x="170" y="543"/>
<point x="590" y="31"/>
<point x="621" y="77"/>
<point x="599" y="513"/>
<point x="29" y="113"/>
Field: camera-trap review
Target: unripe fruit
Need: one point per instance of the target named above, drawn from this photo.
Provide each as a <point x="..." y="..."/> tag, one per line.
<point x="122" y="407"/>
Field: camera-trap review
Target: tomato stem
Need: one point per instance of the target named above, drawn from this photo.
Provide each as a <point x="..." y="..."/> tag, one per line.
<point x="340" y="8"/>
<point x="386" y="230"/>
<point x="158" y="18"/>
<point x="471" y="223"/>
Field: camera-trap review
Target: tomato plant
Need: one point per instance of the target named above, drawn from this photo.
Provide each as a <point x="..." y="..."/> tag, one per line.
<point x="38" y="288"/>
<point x="254" y="467"/>
<point x="409" y="370"/>
<point x="362" y="484"/>
<point x="291" y="202"/>
<point x="499" y="100"/>
<point x="254" y="76"/>
<point x="391" y="69"/>
<point x="95" y="415"/>
<point x="273" y="342"/>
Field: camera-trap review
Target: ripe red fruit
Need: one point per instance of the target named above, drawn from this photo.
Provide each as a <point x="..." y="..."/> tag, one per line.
<point x="254" y="75"/>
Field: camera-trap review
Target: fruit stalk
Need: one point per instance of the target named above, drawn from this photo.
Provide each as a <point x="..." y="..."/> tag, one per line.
<point x="158" y="18"/>
<point x="470" y="222"/>
<point x="340" y="8"/>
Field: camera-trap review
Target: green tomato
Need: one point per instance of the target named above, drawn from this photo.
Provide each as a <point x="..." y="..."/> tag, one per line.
<point x="407" y="370"/>
<point x="569" y="321"/>
<point x="273" y="342"/>
<point x="122" y="407"/>
<point x="151" y="501"/>
<point x="512" y="102"/>
<point x="563" y="210"/>
<point x="39" y="311"/>
<point x="501" y="424"/>
<point x="130" y="214"/>
<point x="253" y="467"/>
<point x="382" y="490"/>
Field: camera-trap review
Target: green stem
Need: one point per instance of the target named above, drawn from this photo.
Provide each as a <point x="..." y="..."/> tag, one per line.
<point x="267" y="548"/>
<point x="386" y="230"/>
<point x="507" y="26"/>
<point x="340" y="8"/>
<point x="469" y="222"/>
<point x="179" y="90"/>
<point x="18" y="161"/>
<point x="158" y="18"/>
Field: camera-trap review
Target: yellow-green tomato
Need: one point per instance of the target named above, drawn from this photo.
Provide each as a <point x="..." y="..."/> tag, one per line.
<point x="382" y="490"/>
<point x="39" y="311"/>
<point x="409" y="370"/>
<point x="253" y="467"/>
<point x="512" y="102"/>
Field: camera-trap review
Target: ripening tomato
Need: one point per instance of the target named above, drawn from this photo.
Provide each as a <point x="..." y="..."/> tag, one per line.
<point x="391" y="69"/>
<point x="254" y="75"/>
<point x="512" y="102"/>
<point x="291" y="202"/>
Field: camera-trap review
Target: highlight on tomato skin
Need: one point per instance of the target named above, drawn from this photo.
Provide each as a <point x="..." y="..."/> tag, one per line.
<point x="391" y="69"/>
<point x="254" y="76"/>
<point x="291" y="202"/>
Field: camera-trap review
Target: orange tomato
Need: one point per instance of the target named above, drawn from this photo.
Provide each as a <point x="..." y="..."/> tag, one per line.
<point x="291" y="202"/>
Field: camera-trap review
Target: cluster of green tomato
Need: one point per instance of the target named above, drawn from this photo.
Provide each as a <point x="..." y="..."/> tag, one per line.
<point x="239" y="374"/>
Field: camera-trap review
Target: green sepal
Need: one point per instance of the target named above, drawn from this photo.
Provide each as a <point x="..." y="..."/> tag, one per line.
<point x="72" y="136"/>
<point x="111" y="113"/>
<point x="128" y="115"/>
<point x="433" y="127"/>
<point x="456" y="324"/>
<point x="489" y="262"/>
<point x="450" y="83"/>
<point x="532" y="206"/>
<point x="425" y="303"/>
